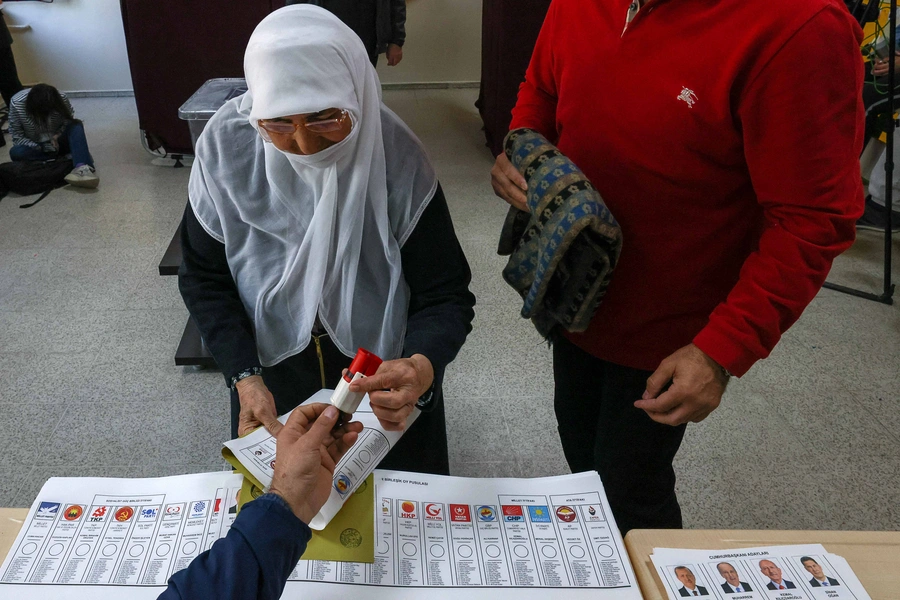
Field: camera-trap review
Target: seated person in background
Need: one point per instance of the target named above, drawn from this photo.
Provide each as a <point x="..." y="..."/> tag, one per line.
<point x="43" y="126"/>
<point x="316" y="226"/>
<point x="270" y="534"/>
<point x="819" y="579"/>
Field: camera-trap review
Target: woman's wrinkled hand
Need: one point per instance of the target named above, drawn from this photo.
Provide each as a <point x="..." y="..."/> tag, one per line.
<point x="395" y="388"/>
<point x="257" y="406"/>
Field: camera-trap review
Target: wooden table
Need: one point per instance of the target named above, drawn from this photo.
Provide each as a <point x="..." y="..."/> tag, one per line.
<point x="874" y="555"/>
<point x="11" y="520"/>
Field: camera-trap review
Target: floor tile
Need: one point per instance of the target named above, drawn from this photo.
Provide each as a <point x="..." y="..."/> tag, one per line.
<point x="503" y="356"/>
<point x="485" y="469"/>
<point x="11" y="480"/>
<point x="182" y="432"/>
<point x="30" y="425"/>
<point x="477" y="431"/>
<point x="142" y="331"/>
<point x="59" y="331"/>
<point x="30" y="487"/>
<point x="97" y="434"/>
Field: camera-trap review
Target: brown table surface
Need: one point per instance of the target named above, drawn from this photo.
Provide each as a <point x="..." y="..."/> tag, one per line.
<point x="874" y="555"/>
<point x="11" y="520"/>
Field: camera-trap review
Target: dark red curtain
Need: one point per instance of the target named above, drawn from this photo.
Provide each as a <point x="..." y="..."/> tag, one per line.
<point x="509" y="29"/>
<point x="176" y="45"/>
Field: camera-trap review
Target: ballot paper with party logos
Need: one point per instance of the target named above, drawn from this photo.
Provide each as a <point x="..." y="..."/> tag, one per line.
<point x="254" y="456"/>
<point x="102" y="538"/>
<point x="487" y="539"/>
<point x="794" y="572"/>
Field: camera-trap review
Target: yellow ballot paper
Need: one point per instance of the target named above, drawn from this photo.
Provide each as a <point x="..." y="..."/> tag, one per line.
<point x="349" y="537"/>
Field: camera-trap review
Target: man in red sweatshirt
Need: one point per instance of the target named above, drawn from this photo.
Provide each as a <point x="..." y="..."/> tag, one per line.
<point x="724" y="137"/>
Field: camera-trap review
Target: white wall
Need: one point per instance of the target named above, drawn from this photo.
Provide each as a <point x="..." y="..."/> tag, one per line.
<point x="443" y="43"/>
<point x="79" y="45"/>
<point x="71" y="44"/>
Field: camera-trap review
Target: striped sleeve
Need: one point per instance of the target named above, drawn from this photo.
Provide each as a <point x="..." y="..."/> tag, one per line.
<point x="17" y="121"/>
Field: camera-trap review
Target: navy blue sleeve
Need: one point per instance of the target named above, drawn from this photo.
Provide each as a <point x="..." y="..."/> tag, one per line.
<point x="212" y="298"/>
<point x="440" y="304"/>
<point x="252" y="562"/>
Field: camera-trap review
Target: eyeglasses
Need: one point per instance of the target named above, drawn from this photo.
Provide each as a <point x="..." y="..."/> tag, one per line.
<point x="267" y="129"/>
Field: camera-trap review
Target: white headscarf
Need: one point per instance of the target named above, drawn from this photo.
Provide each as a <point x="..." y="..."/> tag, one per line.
<point x="317" y="234"/>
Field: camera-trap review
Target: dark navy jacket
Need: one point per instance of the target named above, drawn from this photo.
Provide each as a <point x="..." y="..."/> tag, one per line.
<point x="252" y="562"/>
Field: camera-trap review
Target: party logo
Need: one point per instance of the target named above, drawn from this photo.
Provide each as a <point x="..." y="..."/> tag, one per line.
<point x="460" y="513"/>
<point x="512" y="514"/>
<point x="486" y="514"/>
<point x="73" y="513"/>
<point x="565" y="514"/>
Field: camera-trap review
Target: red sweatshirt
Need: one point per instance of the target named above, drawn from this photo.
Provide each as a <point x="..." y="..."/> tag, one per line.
<point x="724" y="136"/>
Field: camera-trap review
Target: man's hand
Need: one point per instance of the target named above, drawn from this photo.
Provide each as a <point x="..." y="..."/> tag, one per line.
<point x="257" y="406"/>
<point x="394" y="54"/>
<point x="307" y="451"/>
<point x="881" y="66"/>
<point x="55" y="141"/>
<point x="395" y="388"/>
<point x="508" y="183"/>
<point x="698" y="383"/>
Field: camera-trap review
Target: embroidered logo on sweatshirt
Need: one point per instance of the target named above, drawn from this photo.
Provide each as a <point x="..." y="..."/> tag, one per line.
<point x="688" y="96"/>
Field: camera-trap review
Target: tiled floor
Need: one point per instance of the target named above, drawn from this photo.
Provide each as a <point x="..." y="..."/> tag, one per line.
<point x="808" y="439"/>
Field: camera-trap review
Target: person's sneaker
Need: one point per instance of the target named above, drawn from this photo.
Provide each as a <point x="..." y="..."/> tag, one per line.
<point x="83" y="176"/>
<point x="875" y="218"/>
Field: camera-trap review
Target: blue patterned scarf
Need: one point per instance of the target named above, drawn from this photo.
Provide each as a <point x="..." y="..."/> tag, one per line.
<point x="562" y="253"/>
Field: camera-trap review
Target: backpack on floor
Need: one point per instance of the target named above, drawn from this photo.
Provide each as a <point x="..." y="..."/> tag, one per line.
<point x="33" y="177"/>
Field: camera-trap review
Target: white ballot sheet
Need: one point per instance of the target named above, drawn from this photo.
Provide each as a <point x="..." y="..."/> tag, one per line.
<point x="797" y="572"/>
<point x="449" y="537"/>
<point x="104" y="538"/>
<point x="256" y="452"/>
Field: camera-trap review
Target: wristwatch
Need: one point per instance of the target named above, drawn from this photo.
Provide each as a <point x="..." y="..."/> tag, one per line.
<point x="426" y="400"/>
<point x="244" y="375"/>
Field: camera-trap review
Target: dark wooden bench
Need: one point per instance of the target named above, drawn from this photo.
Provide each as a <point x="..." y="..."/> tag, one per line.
<point x="191" y="350"/>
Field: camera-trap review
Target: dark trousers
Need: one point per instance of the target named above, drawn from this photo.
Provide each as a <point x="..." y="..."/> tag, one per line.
<point x="601" y="430"/>
<point x="358" y="15"/>
<point x="9" y="76"/>
<point x="875" y="100"/>
<point x="71" y="141"/>
<point x="423" y="448"/>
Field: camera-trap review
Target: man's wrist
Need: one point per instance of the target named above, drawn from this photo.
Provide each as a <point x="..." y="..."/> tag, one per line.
<point x="299" y="512"/>
<point x="721" y="372"/>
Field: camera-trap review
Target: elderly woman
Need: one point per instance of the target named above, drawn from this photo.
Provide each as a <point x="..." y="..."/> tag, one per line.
<point x="316" y="226"/>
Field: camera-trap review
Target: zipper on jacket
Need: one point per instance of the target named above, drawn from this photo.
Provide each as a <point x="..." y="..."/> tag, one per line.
<point x="321" y="360"/>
